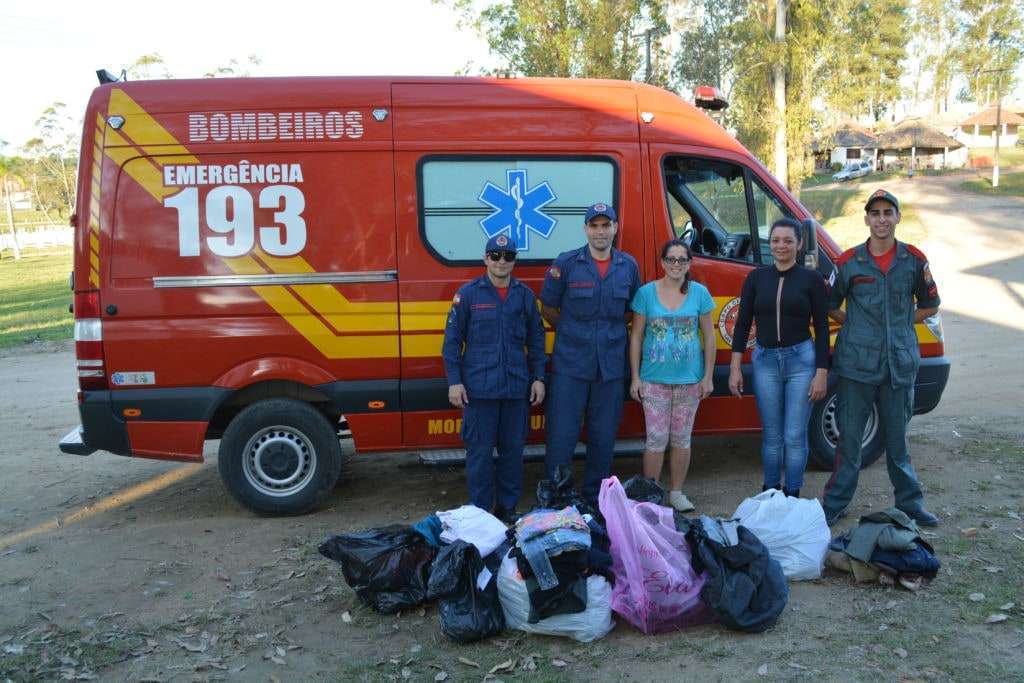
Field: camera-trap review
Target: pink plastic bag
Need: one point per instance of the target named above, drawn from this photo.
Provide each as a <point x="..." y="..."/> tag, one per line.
<point x="656" y="588"/>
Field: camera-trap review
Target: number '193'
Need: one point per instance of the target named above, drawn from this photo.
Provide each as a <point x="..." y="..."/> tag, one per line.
<point x="229" y="212"/>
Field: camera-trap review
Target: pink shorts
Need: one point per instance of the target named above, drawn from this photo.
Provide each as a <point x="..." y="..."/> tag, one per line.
<point x="669" y="411"/>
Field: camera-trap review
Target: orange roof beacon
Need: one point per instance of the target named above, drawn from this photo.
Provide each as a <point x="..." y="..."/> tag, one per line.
<point x="270" y="261"/>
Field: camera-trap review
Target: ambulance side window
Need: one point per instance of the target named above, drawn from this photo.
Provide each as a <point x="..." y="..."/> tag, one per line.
<point x="539" y="202"/>
<point x="707" y="201"/>
<point x="768" y="209"/>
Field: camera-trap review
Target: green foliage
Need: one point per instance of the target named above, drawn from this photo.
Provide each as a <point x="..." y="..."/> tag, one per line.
<point x="991" y="46"/>
<point x="708" y="48"/>
<point x="568" y="38"/>
<point x="868" y="41"/>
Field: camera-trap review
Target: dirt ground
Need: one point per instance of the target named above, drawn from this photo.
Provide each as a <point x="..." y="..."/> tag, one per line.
<point x="125" y="569"/>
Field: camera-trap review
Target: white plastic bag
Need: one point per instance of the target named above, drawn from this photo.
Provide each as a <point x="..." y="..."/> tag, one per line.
<point x="589" y="625"/>
<point x="793" y="529"/>
<point x="472" y="525"/>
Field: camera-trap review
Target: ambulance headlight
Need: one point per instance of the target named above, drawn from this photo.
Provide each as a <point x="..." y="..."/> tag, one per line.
<point x="934" y="325"/>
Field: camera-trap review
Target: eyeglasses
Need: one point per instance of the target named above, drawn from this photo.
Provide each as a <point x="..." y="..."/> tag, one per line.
<point x="508" y="256"/>
<point x="676" y="261"/>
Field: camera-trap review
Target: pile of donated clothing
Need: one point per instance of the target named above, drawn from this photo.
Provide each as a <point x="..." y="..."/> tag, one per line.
<point x="566" y="567"/>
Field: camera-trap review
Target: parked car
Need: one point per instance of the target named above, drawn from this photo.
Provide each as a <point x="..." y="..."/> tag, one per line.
<point x="854" y="169"/>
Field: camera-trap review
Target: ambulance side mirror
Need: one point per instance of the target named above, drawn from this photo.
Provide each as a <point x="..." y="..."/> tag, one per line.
<point x="811" y="243"/>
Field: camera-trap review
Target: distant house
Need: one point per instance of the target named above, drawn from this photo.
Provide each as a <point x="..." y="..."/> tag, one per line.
<point x="849" y="142"/>
<point x="21" y="200"/>
<point x="979" y="130"/>
<point x="915" y="144"/>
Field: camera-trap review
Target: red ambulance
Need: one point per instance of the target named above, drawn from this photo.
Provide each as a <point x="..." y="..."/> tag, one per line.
<point x="269" y="261"/>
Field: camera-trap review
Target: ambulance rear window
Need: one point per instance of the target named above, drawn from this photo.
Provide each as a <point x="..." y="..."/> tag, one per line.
<point x="538" y="202"/>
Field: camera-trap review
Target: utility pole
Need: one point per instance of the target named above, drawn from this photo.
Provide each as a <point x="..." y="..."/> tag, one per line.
<point x="999" y="128"/>
<point x="999" y="119"/>
<point x="779" y="88"/>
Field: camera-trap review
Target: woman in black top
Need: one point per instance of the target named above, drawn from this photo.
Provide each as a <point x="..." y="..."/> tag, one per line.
<point x="790" y="369"/>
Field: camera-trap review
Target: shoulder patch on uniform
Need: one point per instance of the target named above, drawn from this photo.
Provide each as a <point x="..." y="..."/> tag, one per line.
<point x="845" y="256"/>
<point x="555" y="272"/>
<point x="457" y="298"/>
<point x="926" y="273"/>
<point x="916" y="252"/>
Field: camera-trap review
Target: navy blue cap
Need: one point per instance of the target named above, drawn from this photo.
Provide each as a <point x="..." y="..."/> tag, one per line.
<point x="600" y="209"/>
<point x="500" y="243"/>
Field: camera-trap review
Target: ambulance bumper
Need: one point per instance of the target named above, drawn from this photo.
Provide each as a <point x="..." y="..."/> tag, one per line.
<point x="72" y="443"/>
<point x="930" y="383"/>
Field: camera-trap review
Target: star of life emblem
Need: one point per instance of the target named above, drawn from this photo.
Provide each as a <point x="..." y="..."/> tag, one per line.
<point x="518" y="211"/>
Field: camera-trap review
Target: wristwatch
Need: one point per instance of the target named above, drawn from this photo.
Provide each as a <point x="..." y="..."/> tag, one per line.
<point x="539" y="379"/>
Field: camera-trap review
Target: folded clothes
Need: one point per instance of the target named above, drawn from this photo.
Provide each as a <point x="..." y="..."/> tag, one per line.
<point x="472" y="525"/>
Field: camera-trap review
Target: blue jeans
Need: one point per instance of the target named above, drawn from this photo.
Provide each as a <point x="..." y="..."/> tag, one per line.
<point x="782" y="379"/>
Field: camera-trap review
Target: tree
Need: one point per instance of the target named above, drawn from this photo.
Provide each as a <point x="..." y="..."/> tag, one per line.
<point x="148" y="67"/>
<point x="993" y="47"/>
<point x="934" y="29"/>
<point x="707" y="47"/>
<point x="234" y="69"/>
<point x="9" y="177"/>
<point x="54" y="156"/>
<point x="569" y="38"/>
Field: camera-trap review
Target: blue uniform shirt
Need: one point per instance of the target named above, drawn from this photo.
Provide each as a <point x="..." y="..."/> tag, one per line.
<point x="591" y="339"/>
<point x="493" y="347"/>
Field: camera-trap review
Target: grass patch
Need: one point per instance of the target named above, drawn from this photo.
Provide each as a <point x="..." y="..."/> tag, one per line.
<point x="841" y="212"/>
<point x="826" y="178"/>
<point x="34" y="298"/>
<point x="1008" y="155"/>
<point x="1010" y="184"/>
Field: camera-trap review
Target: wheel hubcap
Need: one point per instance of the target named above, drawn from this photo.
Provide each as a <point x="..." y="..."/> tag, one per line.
<point x="830" y="425"/>
<point x="279" y="461"/>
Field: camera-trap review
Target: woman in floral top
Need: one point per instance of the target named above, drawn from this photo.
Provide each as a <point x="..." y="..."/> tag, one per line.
<point x="672" y="356"/>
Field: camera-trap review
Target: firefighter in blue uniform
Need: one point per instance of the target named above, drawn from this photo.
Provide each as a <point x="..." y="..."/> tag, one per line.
<point x="494" y="358"/>
<point x="586" y="298"/>
<point x="887" y="287"/>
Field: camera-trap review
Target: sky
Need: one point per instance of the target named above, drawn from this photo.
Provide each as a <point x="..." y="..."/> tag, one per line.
<point x="51" y="49"/>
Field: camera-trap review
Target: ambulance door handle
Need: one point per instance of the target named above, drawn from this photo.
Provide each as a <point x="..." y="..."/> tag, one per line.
<point x="111" y="309"/>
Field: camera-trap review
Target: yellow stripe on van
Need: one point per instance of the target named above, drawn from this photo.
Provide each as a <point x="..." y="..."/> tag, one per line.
<point x="309" y="326"/>
<point x="342" y="314"/>
<point x="141" y="128"/>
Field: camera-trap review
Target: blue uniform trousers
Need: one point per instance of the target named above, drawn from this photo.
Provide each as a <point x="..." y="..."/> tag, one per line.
<point x="895" y="406"/>
<point x="568" y="399"/>
<point x="486" y="424"/>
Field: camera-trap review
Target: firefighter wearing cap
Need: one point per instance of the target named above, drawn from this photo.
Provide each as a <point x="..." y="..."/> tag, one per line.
<point x="494" y="358"/>
<point x="586" y="297"/>
<point x="887" y="288"/>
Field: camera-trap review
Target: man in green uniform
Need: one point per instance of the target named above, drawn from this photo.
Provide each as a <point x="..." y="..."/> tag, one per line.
<point x="887" y="287"/>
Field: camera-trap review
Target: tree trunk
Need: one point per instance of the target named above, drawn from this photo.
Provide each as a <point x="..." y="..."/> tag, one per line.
<point x="779" y="89"/>
<point x="10" y="219"/>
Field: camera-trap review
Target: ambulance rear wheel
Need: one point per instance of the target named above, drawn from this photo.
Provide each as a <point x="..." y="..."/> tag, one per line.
<point x="280" y="457"/>
<point x="823" y="435"/>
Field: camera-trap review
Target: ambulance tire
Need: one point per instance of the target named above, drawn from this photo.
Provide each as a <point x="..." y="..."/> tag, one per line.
<point x="280" y="457"/>
<point x="822" y="434"/>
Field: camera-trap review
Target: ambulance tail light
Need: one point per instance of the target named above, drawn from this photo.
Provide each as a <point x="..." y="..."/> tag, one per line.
<point x="934" y="325"/>
<point x="89" y="341"/>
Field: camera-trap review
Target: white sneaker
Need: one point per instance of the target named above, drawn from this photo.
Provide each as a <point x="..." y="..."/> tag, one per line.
<point x="679" y="501"/>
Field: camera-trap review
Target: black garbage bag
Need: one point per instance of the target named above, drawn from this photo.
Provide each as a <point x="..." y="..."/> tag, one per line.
<point x="388" y="568"/>
<point x="745" y="588"/>
<point x="644" y="490"/>
<point x="468" y="613"/>
<point x="558" y="493"/>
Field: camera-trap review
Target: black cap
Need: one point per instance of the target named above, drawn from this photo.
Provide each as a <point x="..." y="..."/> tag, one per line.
<point x="883" y="195"/>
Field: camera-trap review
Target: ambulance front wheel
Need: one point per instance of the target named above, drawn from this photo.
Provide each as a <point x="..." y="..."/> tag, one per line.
<point x="823" y="435"/>
<point x="280" y="456"/>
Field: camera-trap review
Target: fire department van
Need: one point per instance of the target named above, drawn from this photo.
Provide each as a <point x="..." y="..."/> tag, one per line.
<point x="270" y="261"/>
